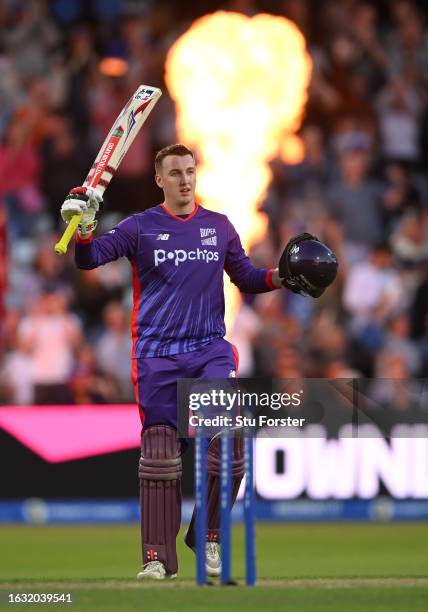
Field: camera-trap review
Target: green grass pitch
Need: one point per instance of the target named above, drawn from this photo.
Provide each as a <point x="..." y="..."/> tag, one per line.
<point x="310" y="567"/>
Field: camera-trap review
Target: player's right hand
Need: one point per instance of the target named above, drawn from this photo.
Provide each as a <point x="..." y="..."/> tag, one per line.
<point x="83" y="201"/>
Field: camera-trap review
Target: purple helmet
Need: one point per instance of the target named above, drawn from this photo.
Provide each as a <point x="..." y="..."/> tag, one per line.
<point x="307" y="265"/>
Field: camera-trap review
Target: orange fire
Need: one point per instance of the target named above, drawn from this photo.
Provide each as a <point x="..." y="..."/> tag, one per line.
<point x="240" y="87"/>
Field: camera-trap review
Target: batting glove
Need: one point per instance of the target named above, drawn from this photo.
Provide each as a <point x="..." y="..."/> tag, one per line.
<point x="83" y="201"/>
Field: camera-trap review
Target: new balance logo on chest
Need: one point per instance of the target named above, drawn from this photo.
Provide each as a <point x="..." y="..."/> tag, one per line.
<point x="163" y="237"/>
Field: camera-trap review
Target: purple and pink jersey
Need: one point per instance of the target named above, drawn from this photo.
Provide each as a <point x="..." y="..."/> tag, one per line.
<point x="178" y="265"/>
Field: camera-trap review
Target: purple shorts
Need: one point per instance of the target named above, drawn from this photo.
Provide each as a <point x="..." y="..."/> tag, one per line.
<point x="155" y="378"/>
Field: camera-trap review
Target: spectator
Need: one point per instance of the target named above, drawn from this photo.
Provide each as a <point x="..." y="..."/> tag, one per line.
<point x="373" y="289"/>
<point x="419" y="309"/>
<point x="63" y="162"/>
<point x="397" y="341"/>
<point x="87" y="384"/>
<point x="410" y="241"/>
<point x="326" y="341"/>
<point x="16" y="376"/>
<point x="407" y="44"/>
<point x="49" y="335"/>
<point x="400" y="111"/>
<point x="29" y="37"/>
<point x="309" y="177"/>
<point x="403" y="193"/>
<point x="113" y="349"/>
<point x="34" y="269"/>
<point x="418" y="315"/>
<point x="19" y="178"/>
<point x="91" y="293"/>
<point x="354" y="198"/>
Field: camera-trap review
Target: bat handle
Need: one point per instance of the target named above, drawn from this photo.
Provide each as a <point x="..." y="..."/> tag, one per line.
<point x="61" y="246"/>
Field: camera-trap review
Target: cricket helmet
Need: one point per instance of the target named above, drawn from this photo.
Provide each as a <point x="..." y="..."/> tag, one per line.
<point x="307" y="265"/>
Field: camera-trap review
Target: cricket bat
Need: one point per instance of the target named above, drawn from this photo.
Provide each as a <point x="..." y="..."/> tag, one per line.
<point x="114" y="148"/>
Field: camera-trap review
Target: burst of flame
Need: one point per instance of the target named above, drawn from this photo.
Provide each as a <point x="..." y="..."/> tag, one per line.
<point x="292" y="150"/>
<point x="239" y="85"/>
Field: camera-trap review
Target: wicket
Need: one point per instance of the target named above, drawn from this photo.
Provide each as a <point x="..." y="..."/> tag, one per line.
<point x="201" y="445"/>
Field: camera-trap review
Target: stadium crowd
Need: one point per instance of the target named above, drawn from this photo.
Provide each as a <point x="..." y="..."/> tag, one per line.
<point x="362" y="187"/>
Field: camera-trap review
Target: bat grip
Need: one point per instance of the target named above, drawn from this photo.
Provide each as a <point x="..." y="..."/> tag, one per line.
<point x="61" y="246"/>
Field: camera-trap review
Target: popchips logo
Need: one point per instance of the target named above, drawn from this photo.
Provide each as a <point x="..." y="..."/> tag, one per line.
<point x="180" y="256"/>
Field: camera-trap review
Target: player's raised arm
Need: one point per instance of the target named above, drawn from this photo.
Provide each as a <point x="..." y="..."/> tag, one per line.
<point x="114" y="148"/>
<point x="89" y="253"/>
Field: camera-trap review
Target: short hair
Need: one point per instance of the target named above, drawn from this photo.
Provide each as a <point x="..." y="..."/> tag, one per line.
<point x="174" y="149"/>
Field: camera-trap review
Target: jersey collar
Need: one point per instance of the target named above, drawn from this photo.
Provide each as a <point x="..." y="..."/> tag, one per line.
<point x="190" y="216"/>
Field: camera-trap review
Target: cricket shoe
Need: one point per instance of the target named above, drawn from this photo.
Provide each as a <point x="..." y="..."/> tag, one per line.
<point x="155" y="570"/>
<point x="212" y="557"/>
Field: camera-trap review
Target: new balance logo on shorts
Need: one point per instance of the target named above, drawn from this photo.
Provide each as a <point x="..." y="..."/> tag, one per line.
<point x="179" y="256"/>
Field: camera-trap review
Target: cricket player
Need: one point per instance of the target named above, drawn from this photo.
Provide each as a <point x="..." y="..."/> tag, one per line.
<point x="178" y="251"/>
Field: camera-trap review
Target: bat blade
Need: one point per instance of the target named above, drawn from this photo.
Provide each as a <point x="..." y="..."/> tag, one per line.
<point x="121" y="136"/>
<point x="114" y="148"/>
